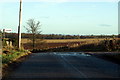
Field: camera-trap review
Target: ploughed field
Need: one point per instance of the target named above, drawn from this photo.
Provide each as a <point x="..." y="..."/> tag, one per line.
<point x="57" y="43"/>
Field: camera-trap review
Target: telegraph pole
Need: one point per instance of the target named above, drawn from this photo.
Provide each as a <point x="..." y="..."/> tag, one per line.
<point x="19" y="26"/>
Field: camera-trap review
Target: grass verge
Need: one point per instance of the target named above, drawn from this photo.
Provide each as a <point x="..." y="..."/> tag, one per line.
<point x="11" y="58"/>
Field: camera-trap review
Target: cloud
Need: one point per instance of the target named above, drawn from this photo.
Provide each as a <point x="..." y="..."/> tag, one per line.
<point x="105" y="25"/>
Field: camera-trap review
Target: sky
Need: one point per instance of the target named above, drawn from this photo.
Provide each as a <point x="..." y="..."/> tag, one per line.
<point x="98" y="17"/>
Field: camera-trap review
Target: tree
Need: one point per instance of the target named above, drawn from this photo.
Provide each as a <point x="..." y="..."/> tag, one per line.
<point x="33" y="27"/>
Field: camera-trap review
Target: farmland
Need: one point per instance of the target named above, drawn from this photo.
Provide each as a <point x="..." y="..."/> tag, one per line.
<point x="62" y="40"/>
<point x="58" y="43"/>
<point x="55" y="43"/>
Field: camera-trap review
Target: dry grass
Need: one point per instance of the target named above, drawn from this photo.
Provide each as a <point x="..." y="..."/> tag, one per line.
<point x="63" y="40"/>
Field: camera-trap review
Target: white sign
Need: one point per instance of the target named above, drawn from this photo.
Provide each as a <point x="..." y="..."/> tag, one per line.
<point x="8" y="30"/>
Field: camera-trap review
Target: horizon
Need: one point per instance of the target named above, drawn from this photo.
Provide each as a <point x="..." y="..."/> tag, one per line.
<point x="71" y="34"/>
<point x="67" y="18"/>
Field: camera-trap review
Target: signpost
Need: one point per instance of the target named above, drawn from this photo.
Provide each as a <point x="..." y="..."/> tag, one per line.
<point x="6" y="30"/>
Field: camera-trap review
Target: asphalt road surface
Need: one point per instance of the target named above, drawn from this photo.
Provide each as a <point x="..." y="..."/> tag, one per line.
<point x="65" y="65"/>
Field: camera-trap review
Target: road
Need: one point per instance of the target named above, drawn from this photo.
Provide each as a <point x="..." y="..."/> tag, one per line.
<point x="65" y="65"/>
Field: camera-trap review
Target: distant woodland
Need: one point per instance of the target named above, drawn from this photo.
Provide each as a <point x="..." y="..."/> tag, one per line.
<point x="59" y="36"/>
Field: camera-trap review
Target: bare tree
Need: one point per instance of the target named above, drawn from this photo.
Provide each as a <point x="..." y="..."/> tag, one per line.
<point x="33" y="27"/>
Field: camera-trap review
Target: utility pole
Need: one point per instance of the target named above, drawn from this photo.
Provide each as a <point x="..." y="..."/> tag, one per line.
<point x="119" y="29"/>
<point x="19" y="27"/>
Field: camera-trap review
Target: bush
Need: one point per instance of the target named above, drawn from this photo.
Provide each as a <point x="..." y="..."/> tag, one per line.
<point x="111" y="45"/>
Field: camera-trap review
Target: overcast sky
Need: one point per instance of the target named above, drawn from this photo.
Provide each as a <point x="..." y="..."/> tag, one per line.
<point x="63" y="16"/>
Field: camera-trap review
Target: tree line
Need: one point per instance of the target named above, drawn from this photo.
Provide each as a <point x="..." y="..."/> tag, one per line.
<point x="58" y="36"/>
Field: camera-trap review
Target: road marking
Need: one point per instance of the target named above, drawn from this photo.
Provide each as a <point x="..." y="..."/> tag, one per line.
<point x="73" y="66"/>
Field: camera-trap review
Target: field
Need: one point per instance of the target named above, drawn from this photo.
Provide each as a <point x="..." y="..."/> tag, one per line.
<point x="62" y="40"/>
<point x="57" y="43"/>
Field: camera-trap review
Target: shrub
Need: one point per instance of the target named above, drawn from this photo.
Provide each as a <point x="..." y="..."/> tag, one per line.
<point x="111" y="45"/>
